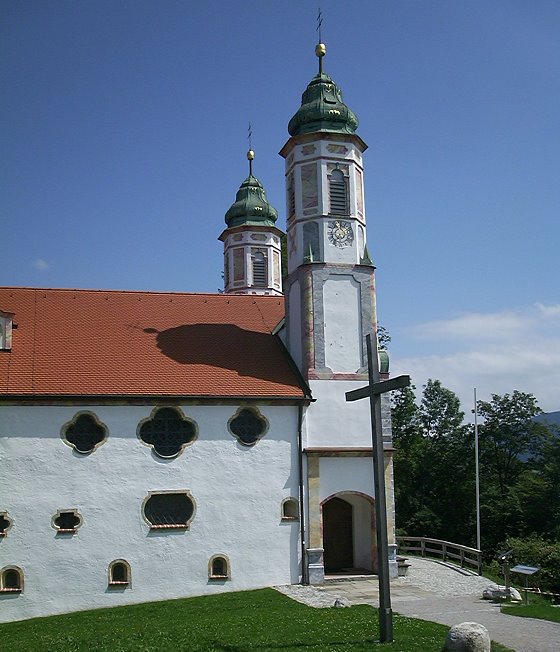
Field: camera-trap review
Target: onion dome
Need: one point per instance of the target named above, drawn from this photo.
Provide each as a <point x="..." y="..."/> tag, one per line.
<point x="322" y="107"/>
<point x="251" y="206"/>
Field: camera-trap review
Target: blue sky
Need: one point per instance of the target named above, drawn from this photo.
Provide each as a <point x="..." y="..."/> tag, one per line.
<point x="123" y="128"/>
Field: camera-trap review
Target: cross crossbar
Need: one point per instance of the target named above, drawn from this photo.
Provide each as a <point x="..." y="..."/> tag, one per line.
<point x="378" y="388"/>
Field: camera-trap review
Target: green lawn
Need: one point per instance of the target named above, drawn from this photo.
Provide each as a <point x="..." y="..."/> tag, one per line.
<point x="230" y="622"/>
<point x="539" y="609"/>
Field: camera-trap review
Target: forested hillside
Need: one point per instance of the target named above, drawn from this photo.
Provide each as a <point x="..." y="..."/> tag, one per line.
<point x="434" y="465"/>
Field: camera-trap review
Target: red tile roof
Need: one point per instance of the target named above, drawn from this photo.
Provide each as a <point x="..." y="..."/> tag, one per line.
<point x="114" y="343"/>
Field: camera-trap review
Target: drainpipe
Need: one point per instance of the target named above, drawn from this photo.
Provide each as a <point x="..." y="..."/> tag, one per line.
<point x="304" y="573"/>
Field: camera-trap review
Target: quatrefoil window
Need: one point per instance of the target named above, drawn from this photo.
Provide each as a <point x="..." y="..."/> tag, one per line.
<point x="84" y="433"/>
<point x="248" y="425"/>
<point x="5" y="523"/>
<point x="167" y="432"/>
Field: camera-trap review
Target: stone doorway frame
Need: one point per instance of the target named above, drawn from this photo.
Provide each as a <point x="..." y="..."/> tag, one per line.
<point x="372" y="550"/>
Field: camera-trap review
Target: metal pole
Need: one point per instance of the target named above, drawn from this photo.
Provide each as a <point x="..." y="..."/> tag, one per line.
<point x="385" y="612"/>
<point x="477" y="474"/>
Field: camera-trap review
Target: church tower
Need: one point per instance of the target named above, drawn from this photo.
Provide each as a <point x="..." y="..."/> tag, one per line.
<point x="330" y="309"/>
<point x="331" y="277"/>
<point x="252" y="242"/>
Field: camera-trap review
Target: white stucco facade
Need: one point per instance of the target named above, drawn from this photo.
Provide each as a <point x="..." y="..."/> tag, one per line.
<point x="316" y="449"/>
<point x="332" y="421"/>
<point x="237" y="490"/>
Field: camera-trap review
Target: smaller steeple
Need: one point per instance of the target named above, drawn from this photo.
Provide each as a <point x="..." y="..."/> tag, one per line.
<point x="251" y="206"/>
<point x="252" y="242"/>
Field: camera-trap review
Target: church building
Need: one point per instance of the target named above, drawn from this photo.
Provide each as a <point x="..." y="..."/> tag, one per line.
<point x="157" y="445"/>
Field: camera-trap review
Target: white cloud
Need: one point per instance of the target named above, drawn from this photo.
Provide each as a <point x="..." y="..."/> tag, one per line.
<point x="548" y="311"/>
<point x="41" y="264"/>
<point x="474" y="326"/>
<point x="494" y="352"/>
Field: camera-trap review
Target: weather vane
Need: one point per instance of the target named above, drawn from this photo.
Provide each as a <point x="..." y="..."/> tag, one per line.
<point x="319" y="23"/>
<point x="250" y="153"/>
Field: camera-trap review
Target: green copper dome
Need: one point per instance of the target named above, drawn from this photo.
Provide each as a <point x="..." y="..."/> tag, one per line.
<point x="322" y="109"/>
<point x="251" y="206"/>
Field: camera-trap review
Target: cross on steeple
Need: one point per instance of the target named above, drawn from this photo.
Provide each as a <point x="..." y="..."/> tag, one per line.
<point x="374" y="390"/>
<point x="320" y="48"/>
<point x="250" y="153"/>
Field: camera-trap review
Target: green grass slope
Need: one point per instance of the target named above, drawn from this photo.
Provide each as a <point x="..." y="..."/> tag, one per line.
<point x="251" y="621"/>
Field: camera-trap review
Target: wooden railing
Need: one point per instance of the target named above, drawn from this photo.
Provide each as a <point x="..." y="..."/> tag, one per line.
<point x="444" y="549"/>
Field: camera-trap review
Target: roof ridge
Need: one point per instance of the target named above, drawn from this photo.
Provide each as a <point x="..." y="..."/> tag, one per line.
<point x="151" y="292"/>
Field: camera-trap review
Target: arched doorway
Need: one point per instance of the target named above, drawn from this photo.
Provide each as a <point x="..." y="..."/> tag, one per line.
<point x="338" y="539"/>
<point x="349" y="533"/>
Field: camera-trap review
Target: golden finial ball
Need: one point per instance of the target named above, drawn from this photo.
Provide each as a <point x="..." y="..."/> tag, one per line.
<point x="320" y="49"/>
<point x="250" y="155"/>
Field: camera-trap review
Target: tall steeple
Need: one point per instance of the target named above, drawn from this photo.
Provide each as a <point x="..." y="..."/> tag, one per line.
<point x="252" y="242"/>
<point x="326" y="224"/>
<point x="330" y="309"/>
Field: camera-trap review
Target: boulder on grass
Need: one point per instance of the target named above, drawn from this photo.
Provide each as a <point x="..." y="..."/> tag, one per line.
<point x="496" y="592"/>
<point x="467" y="637"/>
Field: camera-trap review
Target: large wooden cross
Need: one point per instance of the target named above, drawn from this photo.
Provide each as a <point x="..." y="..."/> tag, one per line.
<point x="373" y="391"/>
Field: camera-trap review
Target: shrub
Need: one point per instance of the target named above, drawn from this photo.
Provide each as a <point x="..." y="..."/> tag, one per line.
<point x="536" y="551"/>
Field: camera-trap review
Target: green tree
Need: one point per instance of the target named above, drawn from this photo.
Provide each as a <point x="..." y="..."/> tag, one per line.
<point x="434" y="465"/>
<point x="516" y="483"/>
<point x="383" y="337"/>
<point x="509" y="436"/>
<point x="408" y="442"/>
<point x="440" y="411"/>
<point x="449" y="464"/>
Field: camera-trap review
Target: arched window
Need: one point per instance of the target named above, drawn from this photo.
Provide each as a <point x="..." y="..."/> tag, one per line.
<point x="218" y="568"/>
<point x="167" y="432"/>
<point x="67" y="521"/>
<point x="338" y="190"/>
<point x="260" y="272"/>
<point x="119" y="573"/>
<point x="248" y="425"/>
<point x="290" y="509"/>
<point x="84" y="433"/>
<point x="169" y="510"/>
<point x="11" y="580"/>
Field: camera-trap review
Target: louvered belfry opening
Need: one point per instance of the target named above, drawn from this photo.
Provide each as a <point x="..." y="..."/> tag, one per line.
<point x="338" y="190"/>
<point x="260" y="277"/>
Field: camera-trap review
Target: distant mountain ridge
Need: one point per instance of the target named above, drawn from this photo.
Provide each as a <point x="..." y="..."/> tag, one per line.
<point x="552" y="418"/>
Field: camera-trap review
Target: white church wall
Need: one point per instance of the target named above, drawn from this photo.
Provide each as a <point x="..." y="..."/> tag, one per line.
<point x="343" y="337"/>
<point x="331" y="421"/>
<point x="237" y="490"/>
<point x="340" y="474"/>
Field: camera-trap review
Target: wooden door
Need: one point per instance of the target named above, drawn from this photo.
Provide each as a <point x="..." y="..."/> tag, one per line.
<point x="338" y="541"/>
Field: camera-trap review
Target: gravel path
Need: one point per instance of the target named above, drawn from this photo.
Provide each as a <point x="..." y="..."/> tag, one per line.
<point x="441" y="593"/>
<point x="423" y="576"/>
